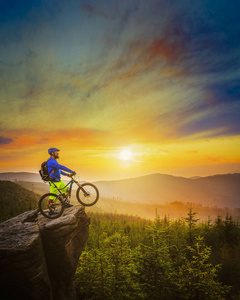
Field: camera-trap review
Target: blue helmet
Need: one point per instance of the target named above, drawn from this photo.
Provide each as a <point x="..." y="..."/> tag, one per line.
<point x="50" y="150"/>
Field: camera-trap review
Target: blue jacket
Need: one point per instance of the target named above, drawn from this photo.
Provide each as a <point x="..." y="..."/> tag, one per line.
<point x="55" y="169"/>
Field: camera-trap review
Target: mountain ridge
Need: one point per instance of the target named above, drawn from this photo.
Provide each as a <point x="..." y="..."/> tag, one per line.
<point x="220" y="190"/>
<point x="22" y="176"/>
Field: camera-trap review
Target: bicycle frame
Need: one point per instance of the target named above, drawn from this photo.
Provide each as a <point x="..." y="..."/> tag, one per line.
<point x="71" y="182"/>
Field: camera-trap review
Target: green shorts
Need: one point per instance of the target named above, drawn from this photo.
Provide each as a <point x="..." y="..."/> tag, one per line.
<point x="60" y="185"/>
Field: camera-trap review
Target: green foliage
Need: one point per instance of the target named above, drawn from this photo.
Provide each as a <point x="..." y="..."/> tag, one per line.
<point x="154" y="265"/>
<point x="197" y="278"/>
<point x="131" y="258"/>
<point x="108" y="262"/>
<point x="109" y="269"/>
<point x="15" y="200"/>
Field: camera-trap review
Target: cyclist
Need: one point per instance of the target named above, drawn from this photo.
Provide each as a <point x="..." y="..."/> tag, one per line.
<point x="55" y="170"/>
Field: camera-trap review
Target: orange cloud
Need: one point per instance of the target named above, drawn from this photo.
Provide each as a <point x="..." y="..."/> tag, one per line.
<point x="162" y="48"/>
<point x="76" y="137"/>
<point x="166" y="53"/>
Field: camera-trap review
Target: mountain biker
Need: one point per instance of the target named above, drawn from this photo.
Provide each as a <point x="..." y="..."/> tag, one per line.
<point x="55" y="172"/>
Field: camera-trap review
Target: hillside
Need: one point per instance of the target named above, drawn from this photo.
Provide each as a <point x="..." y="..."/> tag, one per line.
<point x="37" y="187"/>
<point x="15" y="199"/>
<point x="219" y="190"/>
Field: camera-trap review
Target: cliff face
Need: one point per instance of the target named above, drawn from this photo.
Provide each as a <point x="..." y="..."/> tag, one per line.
<point x="38" y="256"/>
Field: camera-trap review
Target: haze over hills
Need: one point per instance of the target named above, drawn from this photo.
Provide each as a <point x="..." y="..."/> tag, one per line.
<point x="20" y="176"/>
<point x="217" y="190"/>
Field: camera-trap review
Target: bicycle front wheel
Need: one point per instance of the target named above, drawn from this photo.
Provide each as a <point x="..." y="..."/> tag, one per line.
<point x="87" y="194"/>
<point x="50" y="206"/>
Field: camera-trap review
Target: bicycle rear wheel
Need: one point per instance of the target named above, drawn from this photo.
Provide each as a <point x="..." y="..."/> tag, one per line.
<point x="87" y="194"/>
<point x="50" y="208"/>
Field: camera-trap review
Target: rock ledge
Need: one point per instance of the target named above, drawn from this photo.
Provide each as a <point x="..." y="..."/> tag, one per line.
<point x="38" y="256"/>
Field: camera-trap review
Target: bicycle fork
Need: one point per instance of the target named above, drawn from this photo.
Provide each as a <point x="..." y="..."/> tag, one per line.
<point x="86" y="194"/>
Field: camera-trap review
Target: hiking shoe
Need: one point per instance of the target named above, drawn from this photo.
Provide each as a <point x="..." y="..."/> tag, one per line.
<point x="51" y="212"/>
<point x="68" y="205"/>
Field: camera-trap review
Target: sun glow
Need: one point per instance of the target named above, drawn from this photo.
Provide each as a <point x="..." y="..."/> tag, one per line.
<point x="126" y="154"/>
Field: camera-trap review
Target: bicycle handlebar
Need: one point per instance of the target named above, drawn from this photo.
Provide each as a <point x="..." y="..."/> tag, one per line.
<point x="71" y="174"/>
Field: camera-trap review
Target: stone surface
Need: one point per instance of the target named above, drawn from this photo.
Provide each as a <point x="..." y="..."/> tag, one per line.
<point x="38" y="256"/>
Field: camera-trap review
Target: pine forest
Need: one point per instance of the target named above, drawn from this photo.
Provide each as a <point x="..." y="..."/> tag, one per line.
<point x="132" y="258"/>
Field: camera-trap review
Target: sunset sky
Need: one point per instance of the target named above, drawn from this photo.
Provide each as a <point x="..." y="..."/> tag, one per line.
<point x="122" y="88"/>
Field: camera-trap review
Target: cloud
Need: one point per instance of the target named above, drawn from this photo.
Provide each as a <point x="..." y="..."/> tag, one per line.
<point x="74" y="137"/>
<point x="94" y="11"/>
<point x="123" y="56"/>
<point x="111" y="10"/>
<point x="5" y="141"/>
<point x="215" y="122"/>
<point x="227" y="91"/>
<point x="43" y="141"/>
<point x="164" y="49"/>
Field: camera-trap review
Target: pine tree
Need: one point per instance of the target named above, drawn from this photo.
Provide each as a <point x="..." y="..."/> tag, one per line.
<point x="197" y="278"/>
<point x="191" y="221"/>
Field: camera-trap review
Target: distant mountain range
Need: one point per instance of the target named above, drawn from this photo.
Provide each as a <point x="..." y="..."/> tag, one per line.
<point x="20" y="176"/>
<point x="217" y="190"/>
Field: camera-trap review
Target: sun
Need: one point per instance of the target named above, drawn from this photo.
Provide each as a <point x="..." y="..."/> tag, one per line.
<point x="126" y="155"/>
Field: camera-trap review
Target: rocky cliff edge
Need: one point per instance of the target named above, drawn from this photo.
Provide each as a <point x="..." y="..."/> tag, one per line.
<point x="38" y="256"/>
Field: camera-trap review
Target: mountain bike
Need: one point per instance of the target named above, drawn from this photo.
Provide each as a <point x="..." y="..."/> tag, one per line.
<point x="87" y="195"/>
